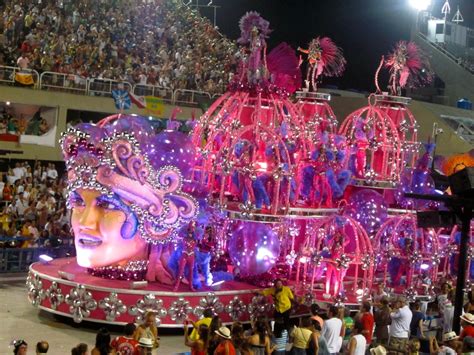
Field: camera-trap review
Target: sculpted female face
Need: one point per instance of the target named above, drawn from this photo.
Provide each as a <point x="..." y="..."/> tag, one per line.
<point x="97" y="221"/>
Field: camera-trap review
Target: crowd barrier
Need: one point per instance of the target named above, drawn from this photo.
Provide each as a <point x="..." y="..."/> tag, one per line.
<point x="19" y="259"/>
<point x="8" y="75"/>
<point x="52" y="81"/>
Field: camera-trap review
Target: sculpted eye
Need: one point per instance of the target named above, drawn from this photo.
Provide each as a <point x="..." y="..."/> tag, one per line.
<point x="108" y="203"/>
<point x="75" y="200"/>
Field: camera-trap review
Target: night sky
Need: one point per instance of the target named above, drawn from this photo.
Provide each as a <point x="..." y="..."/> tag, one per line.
<point x="364" y="29"/>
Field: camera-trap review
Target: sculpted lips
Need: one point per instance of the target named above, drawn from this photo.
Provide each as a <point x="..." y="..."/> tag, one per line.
<point x="89" y="241"/>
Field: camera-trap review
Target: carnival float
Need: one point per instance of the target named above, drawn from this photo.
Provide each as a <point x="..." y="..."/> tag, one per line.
<point x="268" y="185"/>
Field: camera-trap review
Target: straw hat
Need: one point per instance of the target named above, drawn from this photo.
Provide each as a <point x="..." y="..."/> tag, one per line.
<point x="468" y="317"/>
<point x="449" y="336"/>
<point x="224" y="332"/>
<point x="379" y="350"/>
<point x="145" y="343"/>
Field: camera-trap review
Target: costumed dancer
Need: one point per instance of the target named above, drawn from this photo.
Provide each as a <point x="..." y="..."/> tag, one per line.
<point x="408" y="67"/>
<point x="335" y="273"/>
<point x="254" y="30"/>
<point x="324" y="58"/>
<point x="187" y="257"/>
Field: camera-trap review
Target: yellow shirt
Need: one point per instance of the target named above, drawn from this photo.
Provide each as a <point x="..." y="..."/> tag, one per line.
<point x="281" y="299"/>
<point x="194" y="334"/>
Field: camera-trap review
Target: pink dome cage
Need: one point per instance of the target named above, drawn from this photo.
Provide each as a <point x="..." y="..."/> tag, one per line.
<point x="408" y="256"/>
<point x="340" y="252"/>
<point x="397" y="109"/>
<point x="375" y="146"/>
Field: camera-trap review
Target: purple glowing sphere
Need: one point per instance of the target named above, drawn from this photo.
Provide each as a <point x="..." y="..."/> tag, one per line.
<point x="414" y="181"/>
<point x="172" y="148"/>
<point x="369" y="209"/>
<point x="253" y="248"/>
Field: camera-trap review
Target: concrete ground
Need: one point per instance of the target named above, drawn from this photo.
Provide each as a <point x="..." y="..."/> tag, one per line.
<point x="20" y="320"/>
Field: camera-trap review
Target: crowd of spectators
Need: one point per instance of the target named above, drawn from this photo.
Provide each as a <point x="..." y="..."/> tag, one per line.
<point x="333" y="330"/>
<point x="10" y="123"/>
<point x="153" y="42"/>
<point x="33" y="211"/>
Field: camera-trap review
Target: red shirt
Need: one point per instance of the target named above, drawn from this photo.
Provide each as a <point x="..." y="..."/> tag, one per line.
<point x="367" y="321"/>
<point x="220" y="350"/>
<point x="467" y="331"/>
<point x="125" y="346"/>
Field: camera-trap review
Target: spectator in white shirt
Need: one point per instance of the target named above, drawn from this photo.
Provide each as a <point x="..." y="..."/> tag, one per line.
<point x="358" y="343"/>
<point x="18" y="171"/>
<point x="23" y="62"/>
<point x="52" y="172"/>
<point x="400" y="327"/>
<point x="21" y="205"/>
<point x="332" y="331"/>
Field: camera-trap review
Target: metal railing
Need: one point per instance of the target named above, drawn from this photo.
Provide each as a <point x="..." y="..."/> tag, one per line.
<point x="62" y="82"/>
<point x="445" y="52"/>
<point x="19" y="259"/>
<point x="152" y="90"/>
<point x="8" y="74"/>
<point x="75" y="84"/>
<point x="189" y="96"/>
<point x="104" y="87"/>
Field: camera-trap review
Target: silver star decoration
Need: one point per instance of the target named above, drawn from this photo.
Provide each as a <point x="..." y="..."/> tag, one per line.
<point x="34" y="286"/>
<point x="247" y="209"/>
<point x="410" y="294"/>
<point x="112" y="306"/>
<point x="259" y="307"/>
<point x="55" y="295"/>
<point x="179" y="310"/>
<point x="290" y="258"/>
<point x="210" y="301"/>
<point x="148" y="304"/>
<point x="236" y="308"/>
<point x="80" y="303"/>
<point x="308" y="299"/>
<point x="343" y="262"/>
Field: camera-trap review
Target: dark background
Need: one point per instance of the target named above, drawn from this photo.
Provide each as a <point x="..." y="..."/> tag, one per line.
<point x="364" y="29"/>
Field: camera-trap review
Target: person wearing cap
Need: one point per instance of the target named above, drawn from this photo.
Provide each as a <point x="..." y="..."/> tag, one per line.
<point x="20" y="347"/>
<point x="225" y="346"/>
<point x="467" y="324"/>
<point x="148" y="329"/>
<point x="145" y="346"/>
<point x="400" y="327"/>
<point x="449" y="347"/>
<point x="282" y="298"/>
<point x="42" y="347"/>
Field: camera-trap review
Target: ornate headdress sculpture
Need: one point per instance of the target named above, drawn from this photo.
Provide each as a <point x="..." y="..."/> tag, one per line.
<point x="114" y="158"/>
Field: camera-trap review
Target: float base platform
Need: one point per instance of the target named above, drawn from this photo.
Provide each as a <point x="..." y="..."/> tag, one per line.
<point x="50" y="284"/>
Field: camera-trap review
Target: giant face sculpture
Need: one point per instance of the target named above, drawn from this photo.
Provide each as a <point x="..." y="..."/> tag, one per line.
<point x="121" y="201"/>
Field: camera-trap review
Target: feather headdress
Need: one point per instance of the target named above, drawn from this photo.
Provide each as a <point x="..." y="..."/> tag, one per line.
<point x="332" y="62"/>
<point x="408" y="65"/>
<point x="248" y="22"/>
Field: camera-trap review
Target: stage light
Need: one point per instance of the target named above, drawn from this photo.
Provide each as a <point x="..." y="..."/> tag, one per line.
<point x="420" y="5"/>
<point x="8" y="103"/>
<point x="45" y="259"/>
<point x="424" y="266"/>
